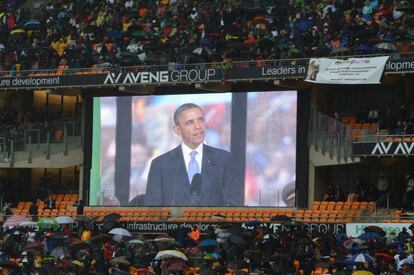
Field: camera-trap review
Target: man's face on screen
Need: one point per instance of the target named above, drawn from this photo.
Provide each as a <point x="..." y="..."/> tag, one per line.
<point x="191" y="127"/>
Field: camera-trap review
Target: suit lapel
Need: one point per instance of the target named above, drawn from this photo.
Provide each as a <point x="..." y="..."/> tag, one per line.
<point x="179" y="162"/>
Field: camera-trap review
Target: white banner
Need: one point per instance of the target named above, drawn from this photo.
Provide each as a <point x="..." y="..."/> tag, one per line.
<point x="348" y="71"/>
<point x="356" y="229"/>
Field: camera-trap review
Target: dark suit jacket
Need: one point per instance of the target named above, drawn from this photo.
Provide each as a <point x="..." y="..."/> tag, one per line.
<point x="168" y="182"/>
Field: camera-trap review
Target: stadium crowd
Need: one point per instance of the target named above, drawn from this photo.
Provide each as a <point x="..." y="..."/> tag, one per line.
<point x="54" y="246"/>
<point x="80" y="34"/>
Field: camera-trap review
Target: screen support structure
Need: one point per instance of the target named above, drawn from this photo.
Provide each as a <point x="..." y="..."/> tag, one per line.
<point x="302" y="149"/>
<point x="123" y="148"/>
<point x="238" y="137"/>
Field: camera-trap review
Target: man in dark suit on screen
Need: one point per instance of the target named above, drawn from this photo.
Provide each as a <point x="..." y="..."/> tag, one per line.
<point x="193" y="173"/>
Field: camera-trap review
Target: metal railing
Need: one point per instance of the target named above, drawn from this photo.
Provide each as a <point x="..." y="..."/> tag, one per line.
<point x="382" y="201"/>
<point x="330" y="136"/>
<point x="57" y="136"/>
<point x="367" y="137"/>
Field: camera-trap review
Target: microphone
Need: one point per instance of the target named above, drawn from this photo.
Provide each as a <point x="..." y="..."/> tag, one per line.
<point x="195" y="188"/>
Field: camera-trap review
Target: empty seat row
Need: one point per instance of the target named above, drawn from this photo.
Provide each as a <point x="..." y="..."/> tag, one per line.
<point x="340" y="205"/>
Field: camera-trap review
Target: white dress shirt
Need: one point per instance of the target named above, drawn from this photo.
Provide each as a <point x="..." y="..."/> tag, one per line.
<point x="187" y="155"/>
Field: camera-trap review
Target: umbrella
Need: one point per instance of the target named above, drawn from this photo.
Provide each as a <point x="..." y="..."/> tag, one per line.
<point x="202" y="51"/>
<point x="9" y="264"/>
<point x="33" y="245"/>
<point x="82" y="255"/>
<point x="120" y="231"/>
<point x="292" y="224"/>
<point x="388" y="258"/>
<point x="212" y="256"/>
<point x="100" y="238"/>
<point x="16" y="220"/>
<point x="47" y="223"/>
<point x="28" y="224"/>
<point x="280" y="218"/>
<point x="111" y="217"/>
<point x="60" y="252"/>
<point x="78" y="263"/>
<point x="78" y="244"/>
<point x="361" y="258"/>
<point x="16" y="31"/>
<point x="86" y="219"/>
<point x="187" y="242"/>
<point x="375" y="229"/>
<point x="168" y="254"/>
<point x="32" y="24"/>
<point x="226" y="225"/>
<point x="350" y="243"/>
<point x="369" y="236"/>
<point x="386" y="46"/>
<point x="119" y="261"/>
<point x="135" y="242"/>
<point x="238" y="240"/>
<point x="207" y="243"/>
<point x="253" y="223"/>
<point x="64" y="219"/>
<point x="140" y="34"/>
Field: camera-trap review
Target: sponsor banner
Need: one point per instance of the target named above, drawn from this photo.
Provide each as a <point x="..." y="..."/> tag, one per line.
<point x="164" y="227"/>
<point x="365" y="70"/>
<point x="348" y="71"/>
<point x="356" y="229"/>
<point x="383" y="149"/>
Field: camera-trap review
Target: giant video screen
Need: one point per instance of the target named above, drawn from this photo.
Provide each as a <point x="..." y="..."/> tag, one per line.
<point x="221" y="149"/>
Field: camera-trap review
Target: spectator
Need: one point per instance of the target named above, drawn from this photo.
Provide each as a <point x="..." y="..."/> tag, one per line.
<point x="382" y="185"/>
<point x="33" y="210"/>
<point x="79" y="208"/>
<point x="372" y="115"/>
<point x="7" y="209"/>
<point x="50" y="202"/>
<point x="409" y="192"/>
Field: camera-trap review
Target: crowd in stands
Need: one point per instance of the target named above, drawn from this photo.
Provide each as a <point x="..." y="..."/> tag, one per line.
<point x="80" y="34"/>
<point x="52" y="248"/>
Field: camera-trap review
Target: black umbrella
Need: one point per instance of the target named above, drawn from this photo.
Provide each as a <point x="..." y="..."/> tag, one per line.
<point x="60" y="252"/>
<point x="108" y="225"/>
<point x="78" y="244"/>
<point x="111" y="217"/>
<point x="280" y="219"/>
<point x="100" y="238"/>
<point x="238" y="240"/>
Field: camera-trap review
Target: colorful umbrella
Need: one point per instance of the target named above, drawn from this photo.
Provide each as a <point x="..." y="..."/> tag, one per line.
<point x="47" y="223"/>
<point x="361" y="258"/>
<point x="388" y="258"/>
<point x="33" y="245"/>
<point x="369" y="236"/>
<point x="16" y="31"/>
<point x="16" y="220"/>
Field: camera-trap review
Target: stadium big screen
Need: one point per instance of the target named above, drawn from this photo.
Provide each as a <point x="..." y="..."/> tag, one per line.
<point x="258" y="128"/>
